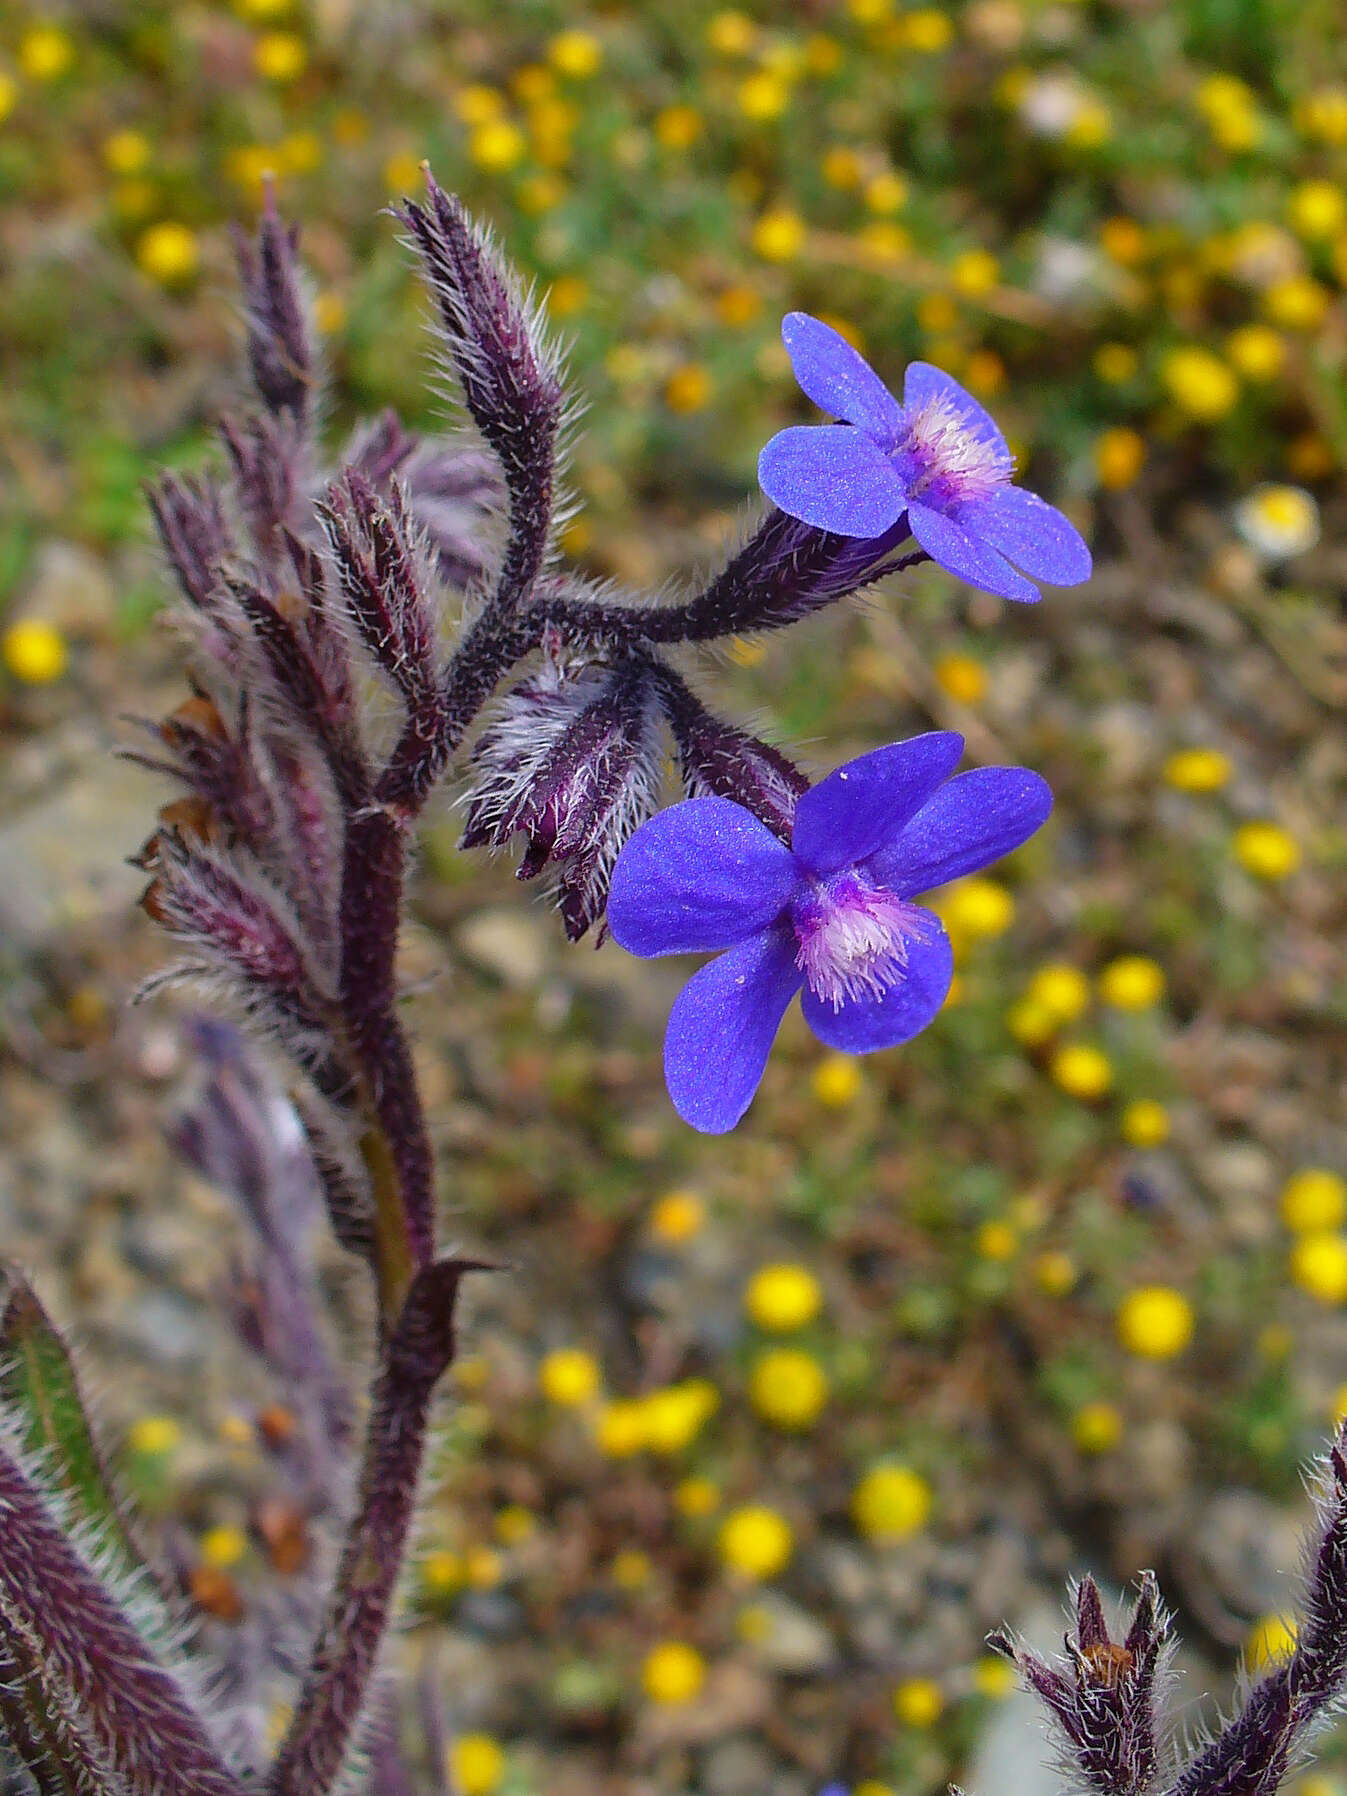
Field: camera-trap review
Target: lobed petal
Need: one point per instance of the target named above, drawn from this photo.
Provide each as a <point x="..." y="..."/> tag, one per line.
<point x="862" y="1025"/>
<point x="924" y="383"/>
<point x="702" y="875"/>
<point x="722" y="1027"/>
<point x="968" y="556"/>
<point x="970" y="822"/>
<point x="838" y="378"/>
<point x="859" y="807"/>
<point x="833" y="477"/>
<point x="1029" y="532"/>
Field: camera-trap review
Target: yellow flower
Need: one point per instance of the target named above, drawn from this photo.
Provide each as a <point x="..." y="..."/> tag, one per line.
<point x="673" y="1673"/>
<point x="577" y="54"/>
<point x="1197" y="770"/>
<point x="975" y="272"/>
<point x="1266" y="850"/>
<point x="1096" y="1428"/>
<point x="1055" y="1273"/>
<point x="678" y="127"/>
<point x="441" y="1573"/>
<point x="696" y="1497"/>
<point x="756" y="1541"/>
<point x="993" y="1678"/>
<point x="1081" y="1071"/>
<point x="223" y="1547"/>
<point x="402" y="172"/>
<point x="1274" y="1637"/>
<point x="482" y="1568"/>
<point x="1310" y="457"/>
<point x="259" y="12"/>
<point x="514" y="1524"/>
<point x="788" y="1387"/>
<point x="1132" y="982"/>
<point x="1122" y="240"/>
<point x="1278" y="520"/>
<point x="822" y="54"/>
<point x="997" y="1241"/>
<point x="889" y="241"/>
<point x="1257" y="351"/>
<point x="280" y="56"/>
<point x="1323" y="114"/>
<point x="476" y="1764"/>
<point x="890" y="1503"/>
<point x="34" y="651"/>
<point x="1119" y="455"/>
<point x="869" y="1787"/>
<point x="688" y="389"/>
<point x="1312" y="1200"/>
<point x="927" y="30"/>
<point x="154" y="1436"/>
<point x="168" y="253"/>
<point x="1317" y="209"/>
<point x="1299" y="303"/>
<point x="678" y="1216"/>
<point x="9" y="95"/>
<point x="126" y="152"/>
<point x="779" y="235"/>
<point x="738" y="306"/>
<point x="1091" y="125"/>
<point x="620" y="1428"/>
<point x="1031" y="1024"/>
<point x="477" y="104"/>
<point x="763" y="96"/>
<point x="962" y="678"/>
<point x="329" y="312"/>
<point x="731" y="33"/>
<point x="842" y="167"/>
<point x="569" y="1377"/>
<point x="45" y="53"/>
<point x="886" y="193"/>
<point x="532" y="83"/>
<point x="1144" y="1123"/>
<point x="1062" y="990"/>
<point x="1115" y="363"/>
<point x="837" y="1081"/>
<point x="984" y="373"/>
<point x="632" y="1569"/>
<point x="1199" y="383"/>
<point x="1155" y="1322"/>
<point x="497" y="145"/>
<point x="1319" y="1266"/>
<point x="977" y="907"/>
<point x="918" y="1702"/>
<point x="674" y="1416"/>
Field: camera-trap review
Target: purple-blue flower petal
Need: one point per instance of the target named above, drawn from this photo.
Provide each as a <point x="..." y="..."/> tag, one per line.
<point x="968" y="556"/>
<point x="970" y="822"/>
<point x="722" y="1027"/>
<point x="703" y="874"/>
<point x="1029" y="532"/>
<point x="864" y="1024"/>
<point x="837" y="378"/>
<point x="833" y="477"/>
<point x="859" y="807"/>
<point x="924" y="383"/>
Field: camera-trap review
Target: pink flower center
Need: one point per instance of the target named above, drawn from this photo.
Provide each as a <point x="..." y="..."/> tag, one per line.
<point x="943" y="460"/>
<point x="854" y="938"/>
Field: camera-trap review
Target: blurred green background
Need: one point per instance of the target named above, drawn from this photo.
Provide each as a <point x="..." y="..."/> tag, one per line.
<point x="1063" y="1284"/>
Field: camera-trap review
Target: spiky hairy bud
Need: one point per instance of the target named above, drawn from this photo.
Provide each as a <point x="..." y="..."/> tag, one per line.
<point x="269" y="461"/>
<point x="453" y="488"/>
<point x="1102" y="1696"/>
<point x="572" y="762"/>
<point x="190" y="519"/>
<point x="509" y="375"/>
<point x="720" y="761"/>
<point x="280" y="350"/>
<point x="381" y="565"/>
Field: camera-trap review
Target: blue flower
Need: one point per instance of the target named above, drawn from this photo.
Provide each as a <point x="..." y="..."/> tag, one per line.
<point x="833" y="913"/>
<point x="938" y="457"/>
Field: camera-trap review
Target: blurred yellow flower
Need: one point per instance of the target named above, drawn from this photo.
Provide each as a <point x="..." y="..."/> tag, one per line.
<point x="678" y="127"/>
<point x="975" y="272"/>
<point x="569" y="1376"/>
<point x="1317" y="209"/>
<point x="756" y="1541"/>
<point x="673" y="1673"/>
<point x="890" y="1503"/>
<point x="477" y="104"/>
<point x="1299" y="303"/>
<point x="476" y="1765"/>
<point x="1055" y="1273"/>
<point x="1318" y="1265"/>
<point x="842" y="167"/>
<point x="402" y="172"/>
<point x="783" y="1297"/>
<point x="926" y="30"/>
<point x="620" y="1428"/>
<point x="1258" y="351"/>
<point x="497" y="145"/>
<point x="837" y="1080"/>
<point x="632" y="1569"/>
<point x="696" y="1497"/>
<point x="887" y="192"/>
<point x="1122" y="240"/>
<point x="154" y="1436"/>
<point x="223" y="1547"/>
<point x="962" y="678"/>
<point x="34" y="651"/>
<point x="1144" y="1123"/>
<point x="738" y="306"/>
<point x="1115" y="363"/>
<point x="482" y="1568"/>
<point x="779" y="234"/>
<point x="126" y="152"/>
<point x="441" y="1573"/>
<point x="993" y="1678"/>
<point x="1132" y="982"/>
<point x="763" y="96"/>
<point x="997" y="1241"/>
<point x="1273" y="1637"/>
<point x="1155" y="1322"/>
<point x="1313" y="1200"/>
<point x="675" y="1415"/>
<point x="1197" y="770"/>
<point x="976" y="907"/>
<point x="168" y="253"/>
<point x="280" y="56"/>
<point x="45" y="53"/>
<point x="822" y="54"/>
<point x="1119" y="455"/>
<point x="1096" y="1428"/>
<point x="787" y="1387"/>
<point x="1061" y="989"/>
<point x="731" y="33"/>
<point x="577" y="54"/>
<point x="688" y="389"/>
<point x="1278" y="520"/>
<point x="678" y="1216"/>
<point x="1322" y="114"/>
<point x="1199" y="383"/>
<point x="1266" y="850"/>
<point x="1081" y="1071"/>
<point x="984" y="373"/>
<point x="918" y="1702"/>
<point x="260" y="12"/>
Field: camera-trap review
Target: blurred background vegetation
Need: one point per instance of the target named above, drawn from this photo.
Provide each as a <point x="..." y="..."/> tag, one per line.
<point x="760" y="1436"/>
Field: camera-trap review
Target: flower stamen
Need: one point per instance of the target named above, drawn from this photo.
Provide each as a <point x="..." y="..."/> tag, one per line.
<point x="943" y="459"/>
<point x="854" y="938"/>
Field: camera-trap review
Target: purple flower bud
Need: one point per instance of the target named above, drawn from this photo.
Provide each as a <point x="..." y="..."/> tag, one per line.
<point x="189" y="516"/>
<point x="380" y="565"/>
<point x="720" y="761"/>
<point x="280" y="354"/>
<point x="572" y="761"/>
<point x="269" y="461"/>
